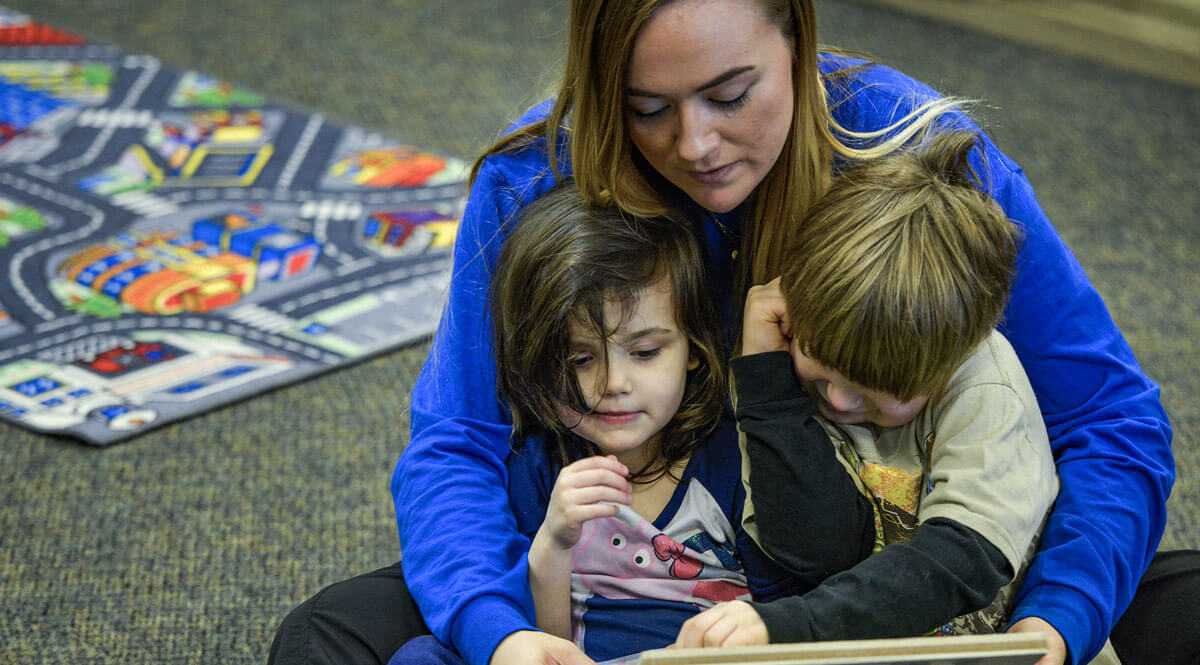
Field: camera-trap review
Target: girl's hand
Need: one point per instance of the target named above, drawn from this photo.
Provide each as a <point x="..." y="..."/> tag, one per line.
<point x="765" y="325"/>
<point x="732" y="624"/>
<point x="1056" y="647"/>
<point x="585" y="490"/>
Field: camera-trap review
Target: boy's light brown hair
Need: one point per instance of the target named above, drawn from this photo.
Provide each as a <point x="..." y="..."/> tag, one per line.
<point x="901" y="269"/>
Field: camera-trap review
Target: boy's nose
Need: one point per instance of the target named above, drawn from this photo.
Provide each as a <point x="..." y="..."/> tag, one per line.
<point x="842" y="398"/>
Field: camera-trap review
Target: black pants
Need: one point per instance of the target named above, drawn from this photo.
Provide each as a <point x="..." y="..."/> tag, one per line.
<point x="365" y="619"/>
<point x="1162" y="624"/>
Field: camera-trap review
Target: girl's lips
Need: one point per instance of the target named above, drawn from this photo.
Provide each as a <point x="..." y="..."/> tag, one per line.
<point x="616" y="417"/>
<point x="713" y="176"/>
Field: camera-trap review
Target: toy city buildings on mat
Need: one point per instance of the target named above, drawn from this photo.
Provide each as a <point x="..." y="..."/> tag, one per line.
<point x="171" y="243"/>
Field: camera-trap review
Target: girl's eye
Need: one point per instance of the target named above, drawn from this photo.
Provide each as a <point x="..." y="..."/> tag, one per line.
<point x="580" y="360"/>
<point x="646" y="354"/>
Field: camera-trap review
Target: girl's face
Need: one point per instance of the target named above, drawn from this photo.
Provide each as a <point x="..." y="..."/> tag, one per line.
<point x="641" y="388"/>
<point x="841" y="400"/>
<point x="709" y="97"/>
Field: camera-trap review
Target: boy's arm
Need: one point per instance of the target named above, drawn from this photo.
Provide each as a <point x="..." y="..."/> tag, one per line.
<point x="808" y="513"/>
<point x="905" y="589"/>
<point x="992" y="482"/>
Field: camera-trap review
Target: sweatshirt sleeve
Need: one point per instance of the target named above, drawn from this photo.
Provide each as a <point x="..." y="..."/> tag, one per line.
<point x="463" y="557"/>
<point x="808" y="513"/>
<point x="905" y="589"/>
<point x="1109" y="432"/>
<point x="1107" y="426"/>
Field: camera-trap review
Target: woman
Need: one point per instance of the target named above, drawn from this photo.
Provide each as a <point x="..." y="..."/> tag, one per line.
<point x="724" y="111"/>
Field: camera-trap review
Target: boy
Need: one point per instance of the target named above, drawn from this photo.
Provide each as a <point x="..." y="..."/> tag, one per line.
<point x="880" y="336"/>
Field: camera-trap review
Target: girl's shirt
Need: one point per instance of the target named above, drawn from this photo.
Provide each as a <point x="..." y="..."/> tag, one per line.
<point x="634" y="582"/>
<point x="1103" y="414"/>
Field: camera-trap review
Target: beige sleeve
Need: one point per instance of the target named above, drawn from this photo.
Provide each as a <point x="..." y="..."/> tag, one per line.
<point x="991" y="468"/>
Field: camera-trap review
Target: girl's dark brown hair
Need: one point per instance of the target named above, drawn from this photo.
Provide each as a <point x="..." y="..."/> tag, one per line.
<point x="561" y="262"/>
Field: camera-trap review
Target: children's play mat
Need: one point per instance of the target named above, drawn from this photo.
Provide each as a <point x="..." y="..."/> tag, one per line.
<point x="170" y="243"/>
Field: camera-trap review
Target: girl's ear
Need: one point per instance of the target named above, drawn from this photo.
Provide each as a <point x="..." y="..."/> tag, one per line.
<point x="693" y="359"/>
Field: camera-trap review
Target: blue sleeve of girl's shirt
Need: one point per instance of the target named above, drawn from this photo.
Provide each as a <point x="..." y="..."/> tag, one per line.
<point x="1108" y="429"/>
<point x="463" y="558"/>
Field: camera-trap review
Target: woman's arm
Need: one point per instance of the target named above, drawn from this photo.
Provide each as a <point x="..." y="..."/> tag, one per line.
<point x="463" y="559"/>
<point x="1108" y="429"/>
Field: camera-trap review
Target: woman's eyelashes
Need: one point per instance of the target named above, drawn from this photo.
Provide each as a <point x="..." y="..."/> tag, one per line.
<point x="647" y="115"/>
<point x="735" y="103"/>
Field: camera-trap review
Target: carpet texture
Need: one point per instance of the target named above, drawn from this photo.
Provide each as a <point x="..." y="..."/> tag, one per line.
<point x="190" y="543"/>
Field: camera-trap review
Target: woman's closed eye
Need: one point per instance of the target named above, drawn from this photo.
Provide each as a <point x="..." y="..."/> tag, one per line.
<point x="580" y="360"/>
<point x="733" y="103"/>
<point x="645" y="113"/>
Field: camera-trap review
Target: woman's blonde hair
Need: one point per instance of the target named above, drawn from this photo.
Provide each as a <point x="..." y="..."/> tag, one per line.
<point x="562" y="263"/>
<point x="901" y="270"/>
<point x="590" y="109"/>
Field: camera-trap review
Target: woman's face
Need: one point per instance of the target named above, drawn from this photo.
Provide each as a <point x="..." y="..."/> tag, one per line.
<point x="709" y="97"/>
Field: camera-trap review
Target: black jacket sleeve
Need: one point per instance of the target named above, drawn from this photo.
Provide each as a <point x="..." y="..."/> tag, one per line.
<point x="904" y="590"/>
<point x="810" y="516"/>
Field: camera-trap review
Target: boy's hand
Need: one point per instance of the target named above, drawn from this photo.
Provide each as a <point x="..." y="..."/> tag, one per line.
<point x="765" y="325"/>
<point x="585" y="489"/>
<point x="732" y="624"/>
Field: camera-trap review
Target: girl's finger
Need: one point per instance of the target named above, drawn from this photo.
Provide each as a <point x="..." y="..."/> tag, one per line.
<point x="583" y="496"/>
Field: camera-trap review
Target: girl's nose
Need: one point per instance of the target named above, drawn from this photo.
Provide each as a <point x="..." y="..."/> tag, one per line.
<point x="618" y="381"/>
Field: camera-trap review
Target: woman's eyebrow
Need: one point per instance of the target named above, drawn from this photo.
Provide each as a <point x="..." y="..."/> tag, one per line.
<point x="723" y="77"/>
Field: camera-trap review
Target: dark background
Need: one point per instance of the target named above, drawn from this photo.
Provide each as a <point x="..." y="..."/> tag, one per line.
<point x="188" y="544"/>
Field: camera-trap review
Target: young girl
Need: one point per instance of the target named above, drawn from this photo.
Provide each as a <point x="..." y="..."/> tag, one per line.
<point x="624" y="474"/>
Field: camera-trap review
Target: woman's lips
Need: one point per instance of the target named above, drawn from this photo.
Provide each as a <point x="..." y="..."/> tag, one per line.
<point x="713" y="176"/>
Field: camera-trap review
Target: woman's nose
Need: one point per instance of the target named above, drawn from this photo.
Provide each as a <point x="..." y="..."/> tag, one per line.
<point x="697" y="134"/>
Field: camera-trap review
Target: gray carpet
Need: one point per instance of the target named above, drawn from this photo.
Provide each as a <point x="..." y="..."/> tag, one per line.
<point x="188" y="544"/>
